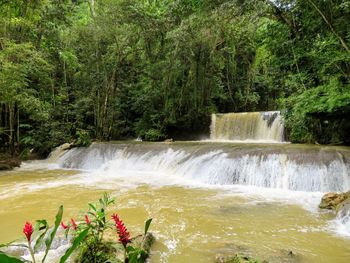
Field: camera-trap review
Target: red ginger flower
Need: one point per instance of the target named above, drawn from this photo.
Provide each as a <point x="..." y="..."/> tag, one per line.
<point x="74" y="225"/>
<point x="87" y="220"/>
<point x="124" y="235"/>
<point x="64" y="226"/>
<point x="28" y="230"/>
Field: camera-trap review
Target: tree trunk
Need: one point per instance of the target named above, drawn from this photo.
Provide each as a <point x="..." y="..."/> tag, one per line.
<point x="17" y="135"/>
<point x="342" y="41"/>
<point x="11" y="125"/>
<point x="92" y="7"/>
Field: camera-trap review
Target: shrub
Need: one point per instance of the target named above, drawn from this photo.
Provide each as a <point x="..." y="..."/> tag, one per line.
<point x="83" y="138"/>
<point x="154" y="135"/>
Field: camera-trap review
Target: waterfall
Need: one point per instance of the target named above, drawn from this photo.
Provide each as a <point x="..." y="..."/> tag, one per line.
<point x="343" y="219"/>
<point x="58" y="152"/>
<point x="281" y="166"/>
<point x="255" y="126"/>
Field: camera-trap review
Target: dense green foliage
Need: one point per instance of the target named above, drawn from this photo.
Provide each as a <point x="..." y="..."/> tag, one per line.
<point x="111" y="69"/>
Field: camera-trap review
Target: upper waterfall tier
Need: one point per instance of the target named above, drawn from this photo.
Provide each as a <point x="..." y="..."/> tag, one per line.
<point x="247" y="126"/>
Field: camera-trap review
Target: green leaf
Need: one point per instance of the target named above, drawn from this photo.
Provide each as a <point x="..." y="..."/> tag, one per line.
<point x="92" y="214"/>
<point x="136" y="255"/>
<point x="6" y="245"/>
<point x="41" y="225"/>
<point x="130" y="249"/>
<point x="147" y="225"/>
<point x="92" y="207"/>
<point x="51" y="237"/>
<point x="7" y="259"/>
<point x="75" y="244"/>
<point x="39" y="241"/>
<point x="133" y="258"/>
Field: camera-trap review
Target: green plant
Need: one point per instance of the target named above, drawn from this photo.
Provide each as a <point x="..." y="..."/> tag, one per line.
<point x="83" y="138"/>
<point x="44" y="235"/>
<point x="93" y="248"/>
<point x="154" y="135"/>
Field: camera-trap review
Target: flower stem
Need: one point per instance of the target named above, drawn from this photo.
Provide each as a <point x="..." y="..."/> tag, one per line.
<point x="126" y="259"/>
<point x="31" y="251"/>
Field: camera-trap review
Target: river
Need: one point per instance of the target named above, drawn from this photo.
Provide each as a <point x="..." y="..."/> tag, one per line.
<point x="206" y="198"/>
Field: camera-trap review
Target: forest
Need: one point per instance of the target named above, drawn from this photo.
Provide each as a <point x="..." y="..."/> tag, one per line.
<point x="156" y="69"/>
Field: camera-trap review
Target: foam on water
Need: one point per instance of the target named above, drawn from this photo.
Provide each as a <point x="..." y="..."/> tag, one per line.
<point x="342" y="221"/>
<point x="319" y="171"/>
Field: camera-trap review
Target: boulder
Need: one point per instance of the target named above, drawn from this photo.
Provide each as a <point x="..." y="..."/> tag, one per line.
<point x="333" y="200"/>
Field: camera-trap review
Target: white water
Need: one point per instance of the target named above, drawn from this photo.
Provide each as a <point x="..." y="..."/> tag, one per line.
<point x="307" y="171"/>
<point x="298" y="176"/>
<point x="247" y="126"/>
<point x="343" y="221"/>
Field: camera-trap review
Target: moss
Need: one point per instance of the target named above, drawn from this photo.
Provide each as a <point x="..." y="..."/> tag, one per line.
<point x="111" y="251"/>
<point x="98" y="252"/>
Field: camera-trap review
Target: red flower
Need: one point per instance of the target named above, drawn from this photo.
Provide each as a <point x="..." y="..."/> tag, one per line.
<point x="124" y="235"/>
<point x="64" y="226"/>
<point x="74" y="225"/>
<point x="87" y="220"/>
<point x="28" y="230"/>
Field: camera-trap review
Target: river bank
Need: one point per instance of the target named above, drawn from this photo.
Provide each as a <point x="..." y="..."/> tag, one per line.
<point x="8" y="162"/>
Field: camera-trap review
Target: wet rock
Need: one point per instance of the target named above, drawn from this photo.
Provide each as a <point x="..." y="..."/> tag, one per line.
<point x="285" y="256"/>
<point x="144" y="242"/>
<point x="230" y="249"/>
<point x="235" y="253"/>
<point x="333" y="200"/>
<point x="67" y="146"/>
<point x="219" y="258"/>
<point x="169" y="140"/>
<point x="7" y="162"/>
<point x="4" y="167"/>
<point x="235" y="259"/>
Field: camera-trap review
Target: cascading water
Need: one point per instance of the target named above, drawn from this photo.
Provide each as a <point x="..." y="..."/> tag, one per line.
<point x="343" y="218"/>
<point x="310" y="169"/>
<point x="247" y="126"/>
<point x="299" y="169"/>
